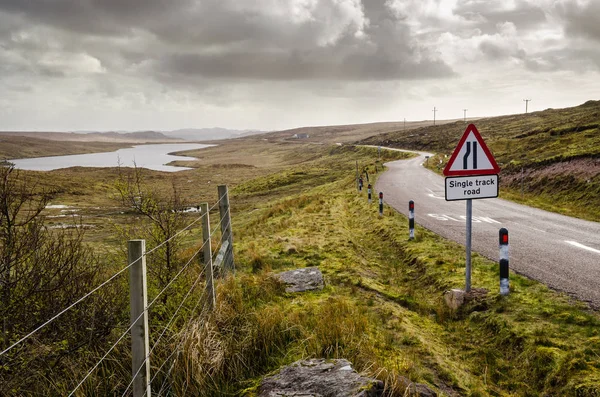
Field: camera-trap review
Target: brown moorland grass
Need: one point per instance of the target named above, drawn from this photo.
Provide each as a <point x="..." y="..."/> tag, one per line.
<point x="382" y="300"/>
<point x="382" y="304"/>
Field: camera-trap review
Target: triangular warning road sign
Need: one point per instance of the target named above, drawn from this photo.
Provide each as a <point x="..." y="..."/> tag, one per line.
<point x="471" y="156"/>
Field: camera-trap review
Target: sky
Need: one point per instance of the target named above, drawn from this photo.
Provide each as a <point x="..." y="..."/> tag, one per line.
<point x="105" y="65"/>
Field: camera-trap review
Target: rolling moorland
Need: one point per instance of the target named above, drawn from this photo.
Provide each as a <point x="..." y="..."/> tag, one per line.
<point x="294" y="204"/>
<point x="548" y="159"/>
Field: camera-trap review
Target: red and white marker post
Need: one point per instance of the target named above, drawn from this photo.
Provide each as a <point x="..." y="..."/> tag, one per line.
<point x="503" y="244"/>
<point x="411" y="220"/>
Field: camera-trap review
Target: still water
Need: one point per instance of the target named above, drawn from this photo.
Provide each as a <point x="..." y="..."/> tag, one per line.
<point x="154" y="157"/>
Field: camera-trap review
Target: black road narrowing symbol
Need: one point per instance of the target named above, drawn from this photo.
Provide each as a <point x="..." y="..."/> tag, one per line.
<point x="468" y="153"/>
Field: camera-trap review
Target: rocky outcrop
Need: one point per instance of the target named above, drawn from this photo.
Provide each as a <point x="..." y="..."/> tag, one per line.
<point x="299" y="280"/>
<point x="320" y="378"/>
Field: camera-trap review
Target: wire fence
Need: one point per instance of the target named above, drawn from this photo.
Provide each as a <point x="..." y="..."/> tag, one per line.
<point x="220" y="233"/>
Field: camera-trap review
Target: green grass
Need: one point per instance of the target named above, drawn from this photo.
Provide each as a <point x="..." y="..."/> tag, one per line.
<point x="383" y="301"/>
<point x="382" y="307"/>
<point x="557" y="150"/>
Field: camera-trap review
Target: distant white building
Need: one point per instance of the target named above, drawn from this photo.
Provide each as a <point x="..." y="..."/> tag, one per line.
<point x="300" y="136"/>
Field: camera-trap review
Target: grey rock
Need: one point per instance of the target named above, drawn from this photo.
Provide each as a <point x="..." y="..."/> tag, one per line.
<point x="305" y="279"/>
<point x="320" y="378"/>
<point x="454" y="298"/>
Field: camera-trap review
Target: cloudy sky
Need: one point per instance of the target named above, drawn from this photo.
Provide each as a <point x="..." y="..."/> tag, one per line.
<point x="275" y="64"/>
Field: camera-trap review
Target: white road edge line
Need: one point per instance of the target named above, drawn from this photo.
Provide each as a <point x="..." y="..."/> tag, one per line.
<point x="585" y="247"/>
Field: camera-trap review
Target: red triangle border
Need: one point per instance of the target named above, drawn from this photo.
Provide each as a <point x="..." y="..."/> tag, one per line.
<point x="486" y="150"/>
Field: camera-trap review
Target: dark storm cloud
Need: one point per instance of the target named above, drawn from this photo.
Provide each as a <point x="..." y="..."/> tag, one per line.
<point x="314" y="65"/>
<point x="103" y="17"/>
<point x="581" y="20"/>
<point x="230" y="40"/>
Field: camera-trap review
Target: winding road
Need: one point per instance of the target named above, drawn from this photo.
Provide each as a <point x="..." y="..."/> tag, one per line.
<point x="562" y="252"/>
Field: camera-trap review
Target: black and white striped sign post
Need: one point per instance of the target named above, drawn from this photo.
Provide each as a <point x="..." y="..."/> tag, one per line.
<point x="411" y="220"/>
<point x="369" y="193"/>
<point x="360" y="184"/>
<point x="503" y="240"/>
<point x="380" y="203"/>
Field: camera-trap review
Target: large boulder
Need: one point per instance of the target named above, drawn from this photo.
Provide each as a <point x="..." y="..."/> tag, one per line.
<point x="320" y="378"/>
<point x="456" y="298"/>
<point x="299" y="280"/>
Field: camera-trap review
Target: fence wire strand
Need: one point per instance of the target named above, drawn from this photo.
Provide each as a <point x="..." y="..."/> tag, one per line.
<point x="168" y="324"/>
<point x="134" y="321"/>
<point x="176" y="350"/>
<point x="126" y="332"/>
<point x="56" y="316"/>
<point x="123" y="335"/>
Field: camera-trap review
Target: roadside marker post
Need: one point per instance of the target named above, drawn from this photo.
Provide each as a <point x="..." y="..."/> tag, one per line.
<point x="380" y="203"/>
<point x="503" y="244"/>
<point x="369" y="193"/>
<point x="140" y="332"/>
<point x="471" y="173"/>
<point x="360" y="184"/>
<point x="357" y="178"/>
<point x="411" y="220"/>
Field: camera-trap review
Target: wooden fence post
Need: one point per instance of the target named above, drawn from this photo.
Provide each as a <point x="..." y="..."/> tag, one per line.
<point x="207" y="251"/>
<point x="226" y="225"/>
<point x="140" y="344"/>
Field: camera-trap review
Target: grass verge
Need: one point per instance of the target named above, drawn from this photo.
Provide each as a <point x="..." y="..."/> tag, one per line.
<point x="382" y="307"/>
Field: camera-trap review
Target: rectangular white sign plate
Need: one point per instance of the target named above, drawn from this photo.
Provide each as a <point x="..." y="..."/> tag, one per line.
<point x="471" y="187"/>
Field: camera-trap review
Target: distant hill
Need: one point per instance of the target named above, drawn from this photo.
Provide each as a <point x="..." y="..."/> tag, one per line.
<point x="537" y="138"/>
<point x="117" y="137"/>
<point x="551" y="157"/>
<point x="186" y="134"/>
<point x="345" y="133"/>
<point x="209" y="134"/>
<point x="136" y="136"/>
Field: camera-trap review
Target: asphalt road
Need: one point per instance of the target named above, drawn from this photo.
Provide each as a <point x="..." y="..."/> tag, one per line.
<point x="562" y="252"/>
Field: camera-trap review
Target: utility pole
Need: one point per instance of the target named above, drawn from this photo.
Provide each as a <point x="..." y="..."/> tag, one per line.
<point x="404" y="124"/>
<point x="526" y="103"/>
<point x="434" y="110"/>
<point x="465" y="114"/>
